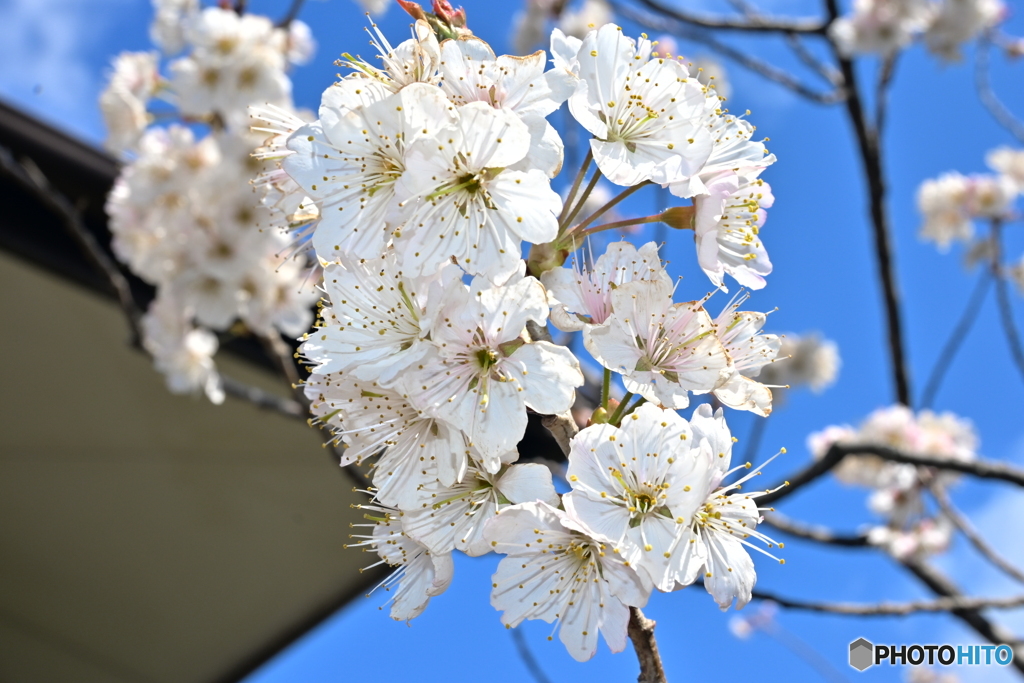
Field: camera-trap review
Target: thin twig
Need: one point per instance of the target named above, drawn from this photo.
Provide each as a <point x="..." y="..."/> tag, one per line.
<point x="943" y="586"/>
<point x="1003" y="297"/>
<point x="983" y="84"/>
<point x="887" y="71"/>
<point x="769" y="71"/>
<point x="641" y="632"/>
<point x="819" y="534"/>
<point x="948" y="604"/>
<point x="262" y="399"/>
<point x="983" y="469"/>
<point x="752" y="24"/>
<point x="754" y="439"/>
<point x="961" y="522"/>
<point x="292" y="15"/>
<point x="956" y="339"/>
<point x="796" y="44"/>
<point x="529" y="661"/>
<point x="29" y="176"/>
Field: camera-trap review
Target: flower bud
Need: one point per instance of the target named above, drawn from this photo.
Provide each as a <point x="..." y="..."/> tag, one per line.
<point x="678" y="217"/>
<point x="545" y="257"/>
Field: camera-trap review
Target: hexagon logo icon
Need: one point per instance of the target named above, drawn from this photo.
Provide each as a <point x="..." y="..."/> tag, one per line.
<point x="862" y="654"/>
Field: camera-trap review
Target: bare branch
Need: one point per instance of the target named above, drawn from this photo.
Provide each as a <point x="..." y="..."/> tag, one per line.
<point x="292" y="15"/>
<point x="887" y="71"/>
<point x="983" y="84"/>
<point x="563" y="427"/>
<point x="961" y="522"/>
<point x="816" y="533"/>
<point x="956" y="338"/>
<point x="874" y="174"/>
<point x="262" y="399"/>
<point x="29" y="176"/>
<point x="751" y="24"/>
<point x="641" y="632"/>
<point x="1003" y="297"/>
<point x="529" y="661"/>
<point x="769" y="71"/>
<point x="943" y="586"/>
<point x="807" y="57"/>
<point x="948" y="604"/>
<point x="983" y="469"/>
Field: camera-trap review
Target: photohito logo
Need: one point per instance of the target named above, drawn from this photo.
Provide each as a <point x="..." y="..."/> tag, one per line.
<point x="864" y="654"/>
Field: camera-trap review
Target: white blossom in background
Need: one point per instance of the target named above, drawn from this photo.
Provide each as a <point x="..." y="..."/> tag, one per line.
<point x="589" y="15"/>
<point x="950" y="203"/>
<point x="529" y="28"/>
<point x="181" y="352"/>
<point x="555" y="571"/>
<point x="925" y="537"/>
<point x="880" y="26"/>
<point x="1016" y="274"/>
<point x="959" y="21"/>
<point x="1009" y="163"/>
<point x="132" y="84"/>
<point x="167" y="31"/>
<point x="803" y="360"/>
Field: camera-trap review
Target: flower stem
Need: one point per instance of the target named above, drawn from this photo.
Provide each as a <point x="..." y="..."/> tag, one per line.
<point x="606" y="387"/>
<point x="636" y="405"/>
<point x="617" y="415"/>
<point x="571" y="197"/>
<point x="582" y="200"/>
<point x="604" y="209"/>
<point x="618" y="224"/>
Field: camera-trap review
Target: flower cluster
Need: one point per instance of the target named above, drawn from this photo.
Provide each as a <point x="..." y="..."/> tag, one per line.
<point x="885" y="26"/>
<point x="183" y="213"/>
<point x="898" y="488"/>
<point x="416" y="188"/>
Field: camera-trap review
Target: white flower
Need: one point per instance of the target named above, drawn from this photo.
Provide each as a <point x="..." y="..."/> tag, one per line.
<point x="182" y="353"/>
<point x="133" y="82"/>
<point x="749" y="352"/>
<point x="369" y="418"/>
<point x="943" y="202"/>
<point x="581" y="296"/>
<point x="645" y="114"/>
<point x="555" y="572"/>
<point x="300" y="46"/>
<point x="529" y="26"/>
<point x="1008" y="162"/>
<point x="377" y="322"/>
<point x="662" y="349"/>
<point x="463" y="202"/>
<point x="924" y="538"/>
<point x="348" y="162"/>
<point x="880" y="26"/>
<point x="421" y="574"/>
<point x="481" y="375"/>
<point x="471" y="73"/>
<point x="959" y="21"/>
<point x="453" y="517"/>
<point x="727" y="225"/>
<point x="168" y="28"/>
<point x="637" y="487"/>
<point x="413" y="61"/>
<point x="590" y="15"/>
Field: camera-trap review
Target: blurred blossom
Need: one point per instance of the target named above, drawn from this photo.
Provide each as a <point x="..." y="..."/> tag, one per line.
<point x="589" y="15"/>
<point x="950" y="202"/>
<point x="809" y="360"/>
<point x="759" y="618"/>
<point x="959" y="21"/>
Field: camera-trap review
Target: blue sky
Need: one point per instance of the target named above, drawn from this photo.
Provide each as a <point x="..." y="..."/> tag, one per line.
<point x="824" y="279"/>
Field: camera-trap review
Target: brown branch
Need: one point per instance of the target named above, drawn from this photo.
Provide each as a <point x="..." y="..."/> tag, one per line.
<point x="1003" y="297"/>
<point x="983" y="83"/>
<point x="262" y="399"/>
<point x="819" y="534"/>
<point x="808" y="58"/>
<point x="902" y="609"/>
<point x="750" y="24"/>
<point x="529" y="661"/>
<point x="641" y="632"/>
<point x="983" y="469"/>
<point x="30" y="177"/>
<point x="887" y="71"/>
<point x="961" y="522"/>
<point x="956" y="338"/>
<point x="292" y="15"/>
<point x="874" y="172"/>
<point x="769" y="71"/>
<point x="943" y="586"/>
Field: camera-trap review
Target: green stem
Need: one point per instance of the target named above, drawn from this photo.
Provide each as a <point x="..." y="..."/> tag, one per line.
<point x="617" y="415"/>
<point x="571" y="197"/>
<point x="580" y="202"/>
<point x="604" y="209"/>
<point x="618" y="224"/>
<point x="606" y="387"/>
<point x="636" y="405"/>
